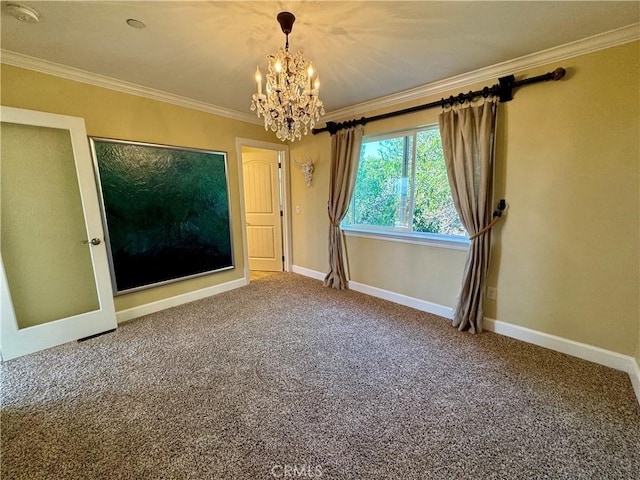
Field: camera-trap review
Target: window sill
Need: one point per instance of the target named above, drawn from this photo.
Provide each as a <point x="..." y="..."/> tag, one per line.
<point x="432" y="240"/>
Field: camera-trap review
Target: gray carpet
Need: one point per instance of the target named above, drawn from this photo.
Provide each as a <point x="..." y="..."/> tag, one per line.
<point x="287" y="379"/>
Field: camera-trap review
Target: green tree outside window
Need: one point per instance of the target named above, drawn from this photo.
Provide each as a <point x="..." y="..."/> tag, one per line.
<point x="402" y="186"/>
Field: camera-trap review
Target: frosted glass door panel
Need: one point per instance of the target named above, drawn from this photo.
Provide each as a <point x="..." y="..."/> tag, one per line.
<point x="46" y="256"/>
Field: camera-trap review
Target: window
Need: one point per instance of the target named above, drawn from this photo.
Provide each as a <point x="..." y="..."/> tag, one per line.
<point x="402" y="188"/>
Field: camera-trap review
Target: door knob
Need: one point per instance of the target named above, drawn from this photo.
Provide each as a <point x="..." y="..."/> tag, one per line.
<point x="93" y="241"/>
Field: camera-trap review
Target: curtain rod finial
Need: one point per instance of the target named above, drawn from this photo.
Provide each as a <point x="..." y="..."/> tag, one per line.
<point x="559" y="73"/>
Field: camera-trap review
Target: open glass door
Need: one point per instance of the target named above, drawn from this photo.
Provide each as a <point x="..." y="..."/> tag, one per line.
<point x="55" y="285"/>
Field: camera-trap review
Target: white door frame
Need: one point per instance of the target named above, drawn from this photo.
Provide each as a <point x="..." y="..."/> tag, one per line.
<point x="286" y="198"/>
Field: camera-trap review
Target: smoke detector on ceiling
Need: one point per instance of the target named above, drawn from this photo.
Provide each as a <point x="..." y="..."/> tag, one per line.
<point x="23" y="13"/>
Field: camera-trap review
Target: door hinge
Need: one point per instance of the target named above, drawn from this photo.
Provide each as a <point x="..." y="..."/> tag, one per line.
<point x="281" y="214"/>
<point x="279" y="164"/>
<point x="283" y="258"/>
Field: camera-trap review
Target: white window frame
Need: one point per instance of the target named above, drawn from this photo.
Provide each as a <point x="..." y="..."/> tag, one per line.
<point x="405" y="234"/>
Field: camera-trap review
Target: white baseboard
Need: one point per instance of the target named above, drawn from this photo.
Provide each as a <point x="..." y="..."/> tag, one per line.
<point x="405" y="300"/>
<point x="634" y="374"/>
<point x="399" y="298"/>
<point x="575" y="349"/>
<point x="594" y="354"/>
<point x="591" y="353"/>
<point x="307" y="272"/>
<point x="135" y="312"/>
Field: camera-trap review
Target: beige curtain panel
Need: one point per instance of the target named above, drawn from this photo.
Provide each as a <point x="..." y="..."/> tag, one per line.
<point x="467" y="140"/>
<point x="345" y="156"/>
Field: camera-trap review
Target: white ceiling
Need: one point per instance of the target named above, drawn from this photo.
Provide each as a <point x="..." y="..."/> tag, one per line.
<point x="208" y="51"/>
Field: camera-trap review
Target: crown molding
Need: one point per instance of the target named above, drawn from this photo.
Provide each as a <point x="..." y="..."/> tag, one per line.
<point x="601" y="41"/>
<point x="44" y="66"/>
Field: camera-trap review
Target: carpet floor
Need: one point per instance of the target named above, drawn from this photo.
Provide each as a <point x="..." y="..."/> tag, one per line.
<point x="284" y="378"/>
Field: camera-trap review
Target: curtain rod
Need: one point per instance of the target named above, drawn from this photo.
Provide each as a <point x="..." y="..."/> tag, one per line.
<point x="503" y="89"/>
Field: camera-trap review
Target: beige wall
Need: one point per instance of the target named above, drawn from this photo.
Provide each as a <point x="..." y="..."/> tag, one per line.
<point x="112" y="114"/>
<point x="566" y="258"/>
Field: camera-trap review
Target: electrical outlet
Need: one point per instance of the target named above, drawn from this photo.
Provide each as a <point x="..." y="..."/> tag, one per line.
<point x="492" y="292"/>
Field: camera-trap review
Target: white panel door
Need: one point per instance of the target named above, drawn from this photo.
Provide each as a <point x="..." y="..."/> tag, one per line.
<point x="55" y="285"/>
<point x="262" y="209"/>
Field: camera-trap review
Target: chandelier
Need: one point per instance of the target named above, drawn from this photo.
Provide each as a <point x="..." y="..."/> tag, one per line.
<point x="291" y="102"/>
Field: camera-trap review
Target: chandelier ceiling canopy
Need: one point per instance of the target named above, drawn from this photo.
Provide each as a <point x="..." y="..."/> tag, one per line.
<point x="290" y="104"/>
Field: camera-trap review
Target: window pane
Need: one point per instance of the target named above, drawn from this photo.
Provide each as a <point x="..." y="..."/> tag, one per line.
<point x="433" y="209"/>
<point x="382" y="185"/>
